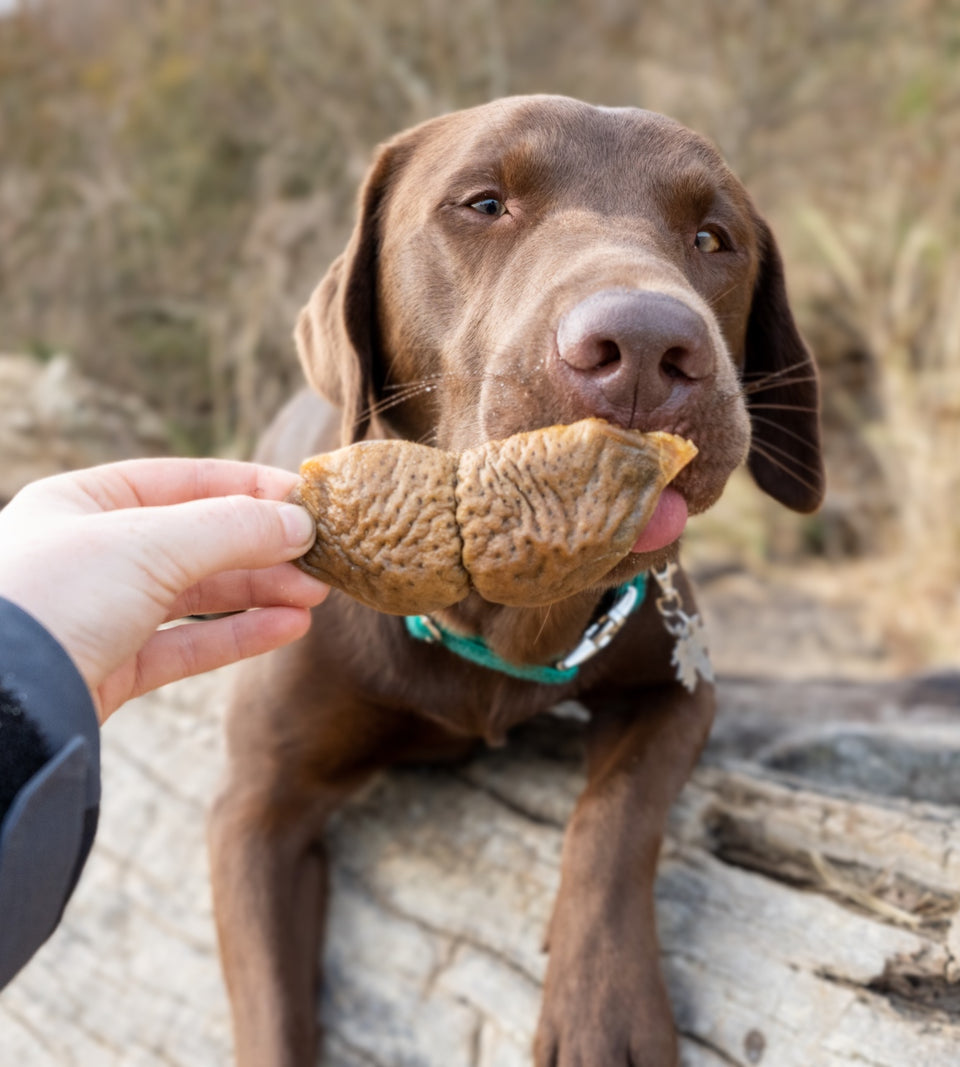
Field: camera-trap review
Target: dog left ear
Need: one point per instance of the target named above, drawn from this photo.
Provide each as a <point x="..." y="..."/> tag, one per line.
<point x="336" y="334"/>
<point x="782" y="391"/>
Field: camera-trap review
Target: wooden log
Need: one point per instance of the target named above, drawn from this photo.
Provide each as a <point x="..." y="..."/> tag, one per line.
<point x="807" y="898"/>
<point x="798" y="927"/>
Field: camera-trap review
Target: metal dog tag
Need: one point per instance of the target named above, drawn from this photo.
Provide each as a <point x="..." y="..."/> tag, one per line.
<point x="690" y="656"/>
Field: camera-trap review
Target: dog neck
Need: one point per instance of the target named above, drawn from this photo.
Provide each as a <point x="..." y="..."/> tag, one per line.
<point x="523" y="636"/>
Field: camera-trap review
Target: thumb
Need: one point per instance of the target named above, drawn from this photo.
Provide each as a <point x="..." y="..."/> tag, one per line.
<point x="190" y="541"/>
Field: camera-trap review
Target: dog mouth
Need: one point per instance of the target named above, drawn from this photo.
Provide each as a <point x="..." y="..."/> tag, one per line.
<point x="669" y="520"/>
<point x="675" y="505"/>
<point x="524" y="521"/>
<point x="665" y="525"/>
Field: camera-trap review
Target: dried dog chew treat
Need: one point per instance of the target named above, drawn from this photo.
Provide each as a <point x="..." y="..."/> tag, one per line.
<point x="408" y="529"/>
<point x="386" y="525"/>
<point x="544" y="515"/>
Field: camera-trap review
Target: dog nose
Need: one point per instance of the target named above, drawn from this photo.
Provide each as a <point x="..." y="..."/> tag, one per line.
<point x="634" y="349"/>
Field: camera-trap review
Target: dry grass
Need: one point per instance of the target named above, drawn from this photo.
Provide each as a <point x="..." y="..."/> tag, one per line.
<point x="896" y="280"/>
<point x="173" y="183"/>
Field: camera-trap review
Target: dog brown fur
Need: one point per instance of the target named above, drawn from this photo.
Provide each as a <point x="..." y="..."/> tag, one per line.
<point x="483" y="237"/>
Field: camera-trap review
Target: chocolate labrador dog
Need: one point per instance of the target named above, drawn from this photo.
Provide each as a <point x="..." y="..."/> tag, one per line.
<point x="530" y="262"/>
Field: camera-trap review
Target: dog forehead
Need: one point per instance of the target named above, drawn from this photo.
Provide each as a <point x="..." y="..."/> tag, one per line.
<point x="551" y="120"/>
<point x="518" y="140"/>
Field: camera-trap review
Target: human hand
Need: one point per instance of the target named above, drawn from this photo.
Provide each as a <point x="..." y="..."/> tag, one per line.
<point x="103" y="557"/>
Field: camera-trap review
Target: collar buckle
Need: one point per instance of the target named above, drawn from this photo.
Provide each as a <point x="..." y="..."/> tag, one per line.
<point x="433" y="635"/>
<point x="599" y="634"/>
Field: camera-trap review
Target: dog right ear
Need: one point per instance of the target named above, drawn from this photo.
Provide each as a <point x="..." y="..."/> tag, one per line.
<point x="782" y="392"/>
<point x="336" y="333"/>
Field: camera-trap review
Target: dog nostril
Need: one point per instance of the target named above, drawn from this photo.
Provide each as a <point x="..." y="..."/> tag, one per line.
<point x="607" y="352"/>
<point x="673" y="362"/>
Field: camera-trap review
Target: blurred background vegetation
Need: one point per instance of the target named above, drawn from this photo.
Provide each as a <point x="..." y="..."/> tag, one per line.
<point x="176" y="174"/>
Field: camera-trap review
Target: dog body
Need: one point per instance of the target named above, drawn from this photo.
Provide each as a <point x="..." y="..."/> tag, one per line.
<point x="531" y="262"/>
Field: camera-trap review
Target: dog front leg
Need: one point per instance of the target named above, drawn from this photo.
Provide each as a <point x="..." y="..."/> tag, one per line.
<point x="269" y="885"/>
<point x="295" y="753"/>
<point x="605" y="1002"/>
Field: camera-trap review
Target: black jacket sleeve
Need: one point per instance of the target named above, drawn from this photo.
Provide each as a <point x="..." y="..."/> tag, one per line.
<point x="51" y="743"/>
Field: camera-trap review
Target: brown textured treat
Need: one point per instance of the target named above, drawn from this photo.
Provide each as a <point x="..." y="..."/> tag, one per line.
<point x="545" y="514"/>
<point x="408" y="529"/>
<point x="386" y="525"/>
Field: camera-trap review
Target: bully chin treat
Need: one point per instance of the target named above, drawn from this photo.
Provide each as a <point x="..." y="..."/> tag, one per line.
<point x="526" y="521"/>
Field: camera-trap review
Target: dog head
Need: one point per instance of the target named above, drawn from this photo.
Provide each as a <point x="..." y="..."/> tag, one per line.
<point x="536" y="261"/>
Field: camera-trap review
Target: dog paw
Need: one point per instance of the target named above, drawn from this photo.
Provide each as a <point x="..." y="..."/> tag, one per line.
<point x="609" y="1009"/>
<point x="576" y="1042"/>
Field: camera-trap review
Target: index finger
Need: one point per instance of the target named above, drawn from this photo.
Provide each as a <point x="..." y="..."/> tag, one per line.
<point x="158" y="482"/>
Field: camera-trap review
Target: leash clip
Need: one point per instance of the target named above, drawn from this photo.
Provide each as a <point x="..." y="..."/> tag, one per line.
<point x="600" y="633"/>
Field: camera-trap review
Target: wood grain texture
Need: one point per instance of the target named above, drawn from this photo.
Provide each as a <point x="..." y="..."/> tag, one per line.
<point x="804" y="921"/>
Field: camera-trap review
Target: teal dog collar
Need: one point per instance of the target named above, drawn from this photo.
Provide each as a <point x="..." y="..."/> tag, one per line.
<point x="597" y="636"/>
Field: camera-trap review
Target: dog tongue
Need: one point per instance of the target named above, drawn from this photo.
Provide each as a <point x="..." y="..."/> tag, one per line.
<point x="666" y="524"/>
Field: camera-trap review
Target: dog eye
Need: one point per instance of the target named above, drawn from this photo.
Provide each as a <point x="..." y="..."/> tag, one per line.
<point x="489" y="206"/>
<point x="708" y="241"/>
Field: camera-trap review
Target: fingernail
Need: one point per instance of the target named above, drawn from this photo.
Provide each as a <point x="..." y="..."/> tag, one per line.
<point x="299" y="525"/>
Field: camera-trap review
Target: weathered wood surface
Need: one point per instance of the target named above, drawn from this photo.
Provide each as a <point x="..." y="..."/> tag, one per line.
<point x="808" y="895"/>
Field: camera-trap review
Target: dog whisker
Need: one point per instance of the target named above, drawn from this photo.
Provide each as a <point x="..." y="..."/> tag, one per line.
<point x="405" y="387"/>
<point x="715" y="300"/>
<point x="787" y="455"/>
<point x="401" y="389"/>
<point x="763" y="375"/>
<point x="764" y="405"/>
<point x="386" y="405"/>
<point x="544" y="621"/>
<point x="761" y="450"/>
<point x="767" y="386"/>
<point x="429" y="437"/>
<point x="783" y="407"/>
<point x="782" y="429"/>
<point x="402" y="392"/>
